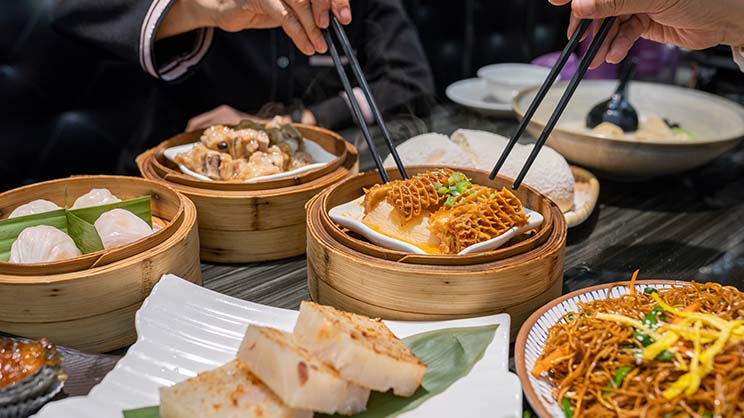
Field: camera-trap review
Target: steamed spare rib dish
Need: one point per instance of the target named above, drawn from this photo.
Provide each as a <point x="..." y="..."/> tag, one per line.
<point x="248" y="151"/>
<point x="441" y="211"/>
<point x="28" y="369"/>
<point x="329" y="364"/>
<point x="668" y="352"/>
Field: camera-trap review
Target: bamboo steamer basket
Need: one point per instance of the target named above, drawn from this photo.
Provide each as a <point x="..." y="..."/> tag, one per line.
<point x="88" y="303"/>
<point x="348" y="272"/>
<point x="251" y="222"/>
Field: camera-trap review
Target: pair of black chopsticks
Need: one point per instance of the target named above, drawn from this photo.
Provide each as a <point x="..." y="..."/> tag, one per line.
<point x="591" y="53"/>
<point x="356" y="110"/>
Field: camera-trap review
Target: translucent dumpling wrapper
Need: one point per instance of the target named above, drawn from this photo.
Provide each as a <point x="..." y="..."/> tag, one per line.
<point x="34" y="207"/>
<point x="41" y="244"/>
<point x="120" y="227"/>
<point x="95" y="197"/>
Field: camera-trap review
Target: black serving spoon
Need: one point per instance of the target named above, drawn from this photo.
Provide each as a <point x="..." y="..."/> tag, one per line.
<point x="617" y="109"/>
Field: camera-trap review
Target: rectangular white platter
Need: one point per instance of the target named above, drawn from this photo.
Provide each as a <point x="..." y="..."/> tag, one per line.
<point x="184" y="329"/>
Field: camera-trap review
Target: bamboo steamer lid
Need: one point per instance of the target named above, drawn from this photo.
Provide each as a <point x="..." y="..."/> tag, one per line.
<point x="251" y="222"/>
<point x="363" y="278"/>
<point x="90" y="305"/>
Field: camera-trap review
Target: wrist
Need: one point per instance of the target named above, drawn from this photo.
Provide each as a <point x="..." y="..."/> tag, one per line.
<point x="308" y="118"/>
<point x="183" y="16"/>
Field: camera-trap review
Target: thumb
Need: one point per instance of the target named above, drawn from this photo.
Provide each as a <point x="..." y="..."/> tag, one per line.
<point x="595" y="9"/>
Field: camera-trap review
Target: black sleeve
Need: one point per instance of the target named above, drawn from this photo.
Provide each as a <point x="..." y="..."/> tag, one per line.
<point x="394" y="61"/>
<point x="127" y="28"/>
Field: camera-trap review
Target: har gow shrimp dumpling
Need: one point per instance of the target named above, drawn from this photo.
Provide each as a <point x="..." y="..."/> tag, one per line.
<point x="40" y="244"/>
<point x="34" y="207"/>
<point x="95" y="197"/>
<point x="120" y="227"/>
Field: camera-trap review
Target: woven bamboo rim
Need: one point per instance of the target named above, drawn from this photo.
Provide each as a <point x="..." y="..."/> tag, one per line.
<point x="248" y="223"/>
<point x="517" y="283"/>
<point x="93" y="309"/>
<point x="166" y="206"/>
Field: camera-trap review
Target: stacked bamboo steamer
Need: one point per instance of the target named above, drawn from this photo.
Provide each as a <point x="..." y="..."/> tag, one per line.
<point x="89" y="302"/>
<point x="350" y="273"/>
<point x="250" y="222"/>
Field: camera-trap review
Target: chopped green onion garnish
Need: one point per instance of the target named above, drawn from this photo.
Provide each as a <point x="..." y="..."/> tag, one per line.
<point x="649" y="290"/>
<point x="450" y="202"/>
<point x="567" y="411"/>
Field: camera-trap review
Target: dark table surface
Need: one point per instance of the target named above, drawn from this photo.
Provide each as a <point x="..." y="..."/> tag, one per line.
<point x="688" y="226"/>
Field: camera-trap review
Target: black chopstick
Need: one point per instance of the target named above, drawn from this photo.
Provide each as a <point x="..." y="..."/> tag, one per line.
<point x="591" y="53"/>
<point x="547" y="84"/>
<point x="346" y="45"/>
<point x="356" y="111"/>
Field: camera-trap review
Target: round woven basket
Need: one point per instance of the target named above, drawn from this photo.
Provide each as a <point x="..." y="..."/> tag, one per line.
<point x="250" y="222"/>
<point x="352" y="274"/>
<point x="89" y="302"/>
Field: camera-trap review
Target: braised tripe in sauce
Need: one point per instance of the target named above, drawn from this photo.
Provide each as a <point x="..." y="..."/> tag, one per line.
<point x="441" y="211"/>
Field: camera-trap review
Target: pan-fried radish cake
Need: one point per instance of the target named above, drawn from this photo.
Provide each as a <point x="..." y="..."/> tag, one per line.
<point x="363" y="350"/>
<point x="230" y="391"/>
<point x="298" y="377"/>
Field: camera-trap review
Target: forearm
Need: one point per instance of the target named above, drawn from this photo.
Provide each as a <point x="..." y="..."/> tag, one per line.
<point x="183" y="16"/>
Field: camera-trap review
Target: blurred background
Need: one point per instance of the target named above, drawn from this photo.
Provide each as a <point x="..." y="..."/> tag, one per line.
<point x="66" y="109"/>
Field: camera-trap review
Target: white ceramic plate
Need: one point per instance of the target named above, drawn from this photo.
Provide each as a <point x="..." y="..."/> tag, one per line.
<point x="184" y="329"/>
<point x="474" y="94"/>
<point x="318" y="153"/>
<point x="534" y="332"/>
<point x="351" y="214"/>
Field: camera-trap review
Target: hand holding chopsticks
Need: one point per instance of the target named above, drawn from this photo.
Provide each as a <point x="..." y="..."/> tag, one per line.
<point x="572" y="85"/>
<point x="356" y="110"/>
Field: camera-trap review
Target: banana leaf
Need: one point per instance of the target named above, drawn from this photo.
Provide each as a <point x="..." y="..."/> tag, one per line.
<point x="77" y="223"/>
<point x="139" y="206"/>
<point x="449" y="354"/>
<point x="11" y="228"/>
<point x="83" y="233"/>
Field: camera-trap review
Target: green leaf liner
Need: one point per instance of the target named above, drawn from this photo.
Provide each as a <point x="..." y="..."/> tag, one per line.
<point x="11" y="228"/>
<point x="83" y="233"/>
<point x="449" y="354"/>
<point x="139" y="206"/>
<point x="77" y="223"/>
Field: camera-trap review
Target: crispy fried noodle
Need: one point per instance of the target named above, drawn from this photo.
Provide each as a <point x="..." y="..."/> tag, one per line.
<point x="675" y="352"/>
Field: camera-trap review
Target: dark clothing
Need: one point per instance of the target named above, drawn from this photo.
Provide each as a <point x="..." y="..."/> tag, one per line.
<point x="248" y="69"/>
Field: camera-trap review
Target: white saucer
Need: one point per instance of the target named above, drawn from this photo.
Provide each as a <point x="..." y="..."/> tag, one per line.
<point x="473" y="93"/>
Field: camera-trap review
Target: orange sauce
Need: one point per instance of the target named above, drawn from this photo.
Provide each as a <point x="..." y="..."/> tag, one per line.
<point x="429" y="249"/>
<point x="19" y="360"/>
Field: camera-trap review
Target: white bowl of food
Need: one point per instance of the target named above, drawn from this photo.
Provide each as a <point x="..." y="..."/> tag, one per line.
<point x="680" y="128"/>
<point x="505" y="81"/>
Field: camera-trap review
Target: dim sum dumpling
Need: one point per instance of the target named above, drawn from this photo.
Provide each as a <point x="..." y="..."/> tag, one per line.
<point x="95" y="197"/>
<point x="119" y="227"/>
<point x="34" y="207"/>
<point x="39" y="244"/>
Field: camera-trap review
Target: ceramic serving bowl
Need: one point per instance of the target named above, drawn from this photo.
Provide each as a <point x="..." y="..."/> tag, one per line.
<point x="717" y="122"/>
<point x="534" y="333"/>
<point x="504" y="81"/>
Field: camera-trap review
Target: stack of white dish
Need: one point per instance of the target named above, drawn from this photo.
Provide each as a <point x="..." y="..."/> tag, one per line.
<point x="492" y="92"/>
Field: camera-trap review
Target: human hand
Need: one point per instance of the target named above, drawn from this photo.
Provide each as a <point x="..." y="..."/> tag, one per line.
<point x="693" y="24"/>
<point x="302" y="20"/>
